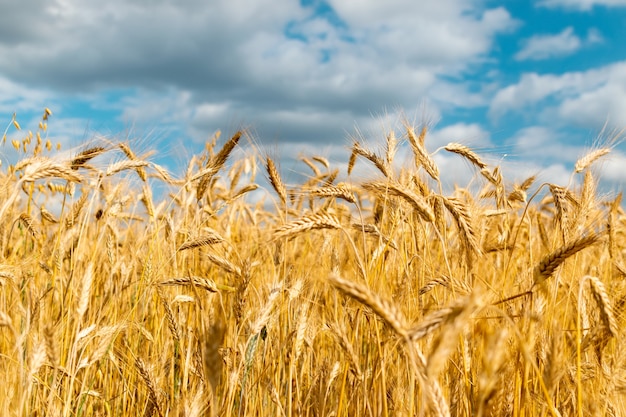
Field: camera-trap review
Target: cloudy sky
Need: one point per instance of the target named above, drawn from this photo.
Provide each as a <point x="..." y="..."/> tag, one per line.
<point x="530" y="83"/>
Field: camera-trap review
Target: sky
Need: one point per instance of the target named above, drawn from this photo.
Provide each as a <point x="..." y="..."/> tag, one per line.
<point x="531" y="85"/>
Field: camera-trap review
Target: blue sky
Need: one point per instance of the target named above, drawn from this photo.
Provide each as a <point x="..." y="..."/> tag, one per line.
<point x="531" y="84"/>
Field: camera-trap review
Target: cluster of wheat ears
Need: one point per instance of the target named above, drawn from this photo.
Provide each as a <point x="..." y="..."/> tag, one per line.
<point x="377" y="297"/>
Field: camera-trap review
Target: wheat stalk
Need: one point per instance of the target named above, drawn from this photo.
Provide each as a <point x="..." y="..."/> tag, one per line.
<point x="461" y="214"/>
<point x="422" y="158"/>
<point x="545" y="269"/>
<point x="322" y="161"/>
<point x="352" y="161"/>
<point x="243" y="190"/>
<point x="339" y="191"/>
<point x="152" y="393"/>
<point x="124" y="165"/>
<point x="443" y="281"/>
<point x="214" y="165"/>
<point x="141" y="171"/>
<point x="77" y="208"/>
<point x="210" y="237"/>
<point x="225" y="264"/>
<point x="27" y="221"/>
<point x="310" y="164"/>
<point x="85" y="293"/>
<point x="383" y="308"/>
<point x="467" y="153"/>
<point x="276" y="180"/>
<point x="374" y="230"/>
<point x="37" y="168"/>
<point x="378" y="162"/>
<point x="199" y="282"/>
<point x="418" y="203"/>
<point x="437" y="319"/>
<point x="218" y="161"/>
<point x="85" y="156"/>
<point x="604" y="303"/>
<point x="584" y="162"/>
<point x="310" y="222"/>
<point x="169" y="314"/>
<point x="47" y="216"/>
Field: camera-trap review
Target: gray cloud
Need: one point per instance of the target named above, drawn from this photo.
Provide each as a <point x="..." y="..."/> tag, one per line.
<point x="238" y="51"/>
<point x="296" y="77"/>
<point x="289" y="73"/>
<point x="24" y="22"/>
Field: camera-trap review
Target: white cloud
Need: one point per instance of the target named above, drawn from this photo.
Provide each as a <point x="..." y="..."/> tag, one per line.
<point x="585" y="98"/>
<point x="472" y="135"/>
<point x="516" y="172"/>
<point x="210" y="112"/>
<point x="541" y="47"/>
<point x="454" y="171"/>
<point x="543" y="144"/>
<point x="547" y="152"/>
<point x="557" y="174"/>
<point x="581" y="4"/>
<point x="17" y="97"/>
<point x="164" y="107"/>
<point x="594" y="36"/>
<point x="612" y="168"/>
<point x="547" y="46"/>
<point x="531" y="89"/>
<point x="445" y="35"/>
<point x="605" y="103"/>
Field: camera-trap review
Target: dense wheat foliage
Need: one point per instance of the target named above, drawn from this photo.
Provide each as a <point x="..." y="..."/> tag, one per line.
<point x="377" y="297"/>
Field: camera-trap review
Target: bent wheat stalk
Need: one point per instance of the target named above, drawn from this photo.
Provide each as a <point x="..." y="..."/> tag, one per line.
<point x="545" y="269"/>
<point x="385" y="309"/>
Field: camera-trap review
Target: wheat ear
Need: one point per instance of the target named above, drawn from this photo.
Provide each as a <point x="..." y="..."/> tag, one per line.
<point x="221" y="157"/>
<point x="276" y="180"/>
<point x="310" y="222"/>
<point x="461" y="214"/>
<point x="83" y="157"/>
<point x="378" y="162"/>
<point x="467" y="153"/>
<point x="339" y="191"/>
<point x="38" y="168"/>
<point x="131" y="155"/>
<point x="210" y="237"/>
<point x="124" y="165"/>
<point x="422" y="158"/>
<point x="200" y="282"/>
<point x="551" y="262"/>
<point x="383" y="308"/>
<point x="604" y="303"/>
<point x="152" y="393"/>
<point x="418" y="203"/>
<point x="589" y="159"/>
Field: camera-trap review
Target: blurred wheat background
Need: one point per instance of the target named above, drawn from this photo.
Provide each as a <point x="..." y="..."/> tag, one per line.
<point x="385" y="296"/>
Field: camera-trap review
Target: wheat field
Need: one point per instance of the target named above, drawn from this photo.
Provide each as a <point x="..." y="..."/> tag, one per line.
<point x="384" y="296"/>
